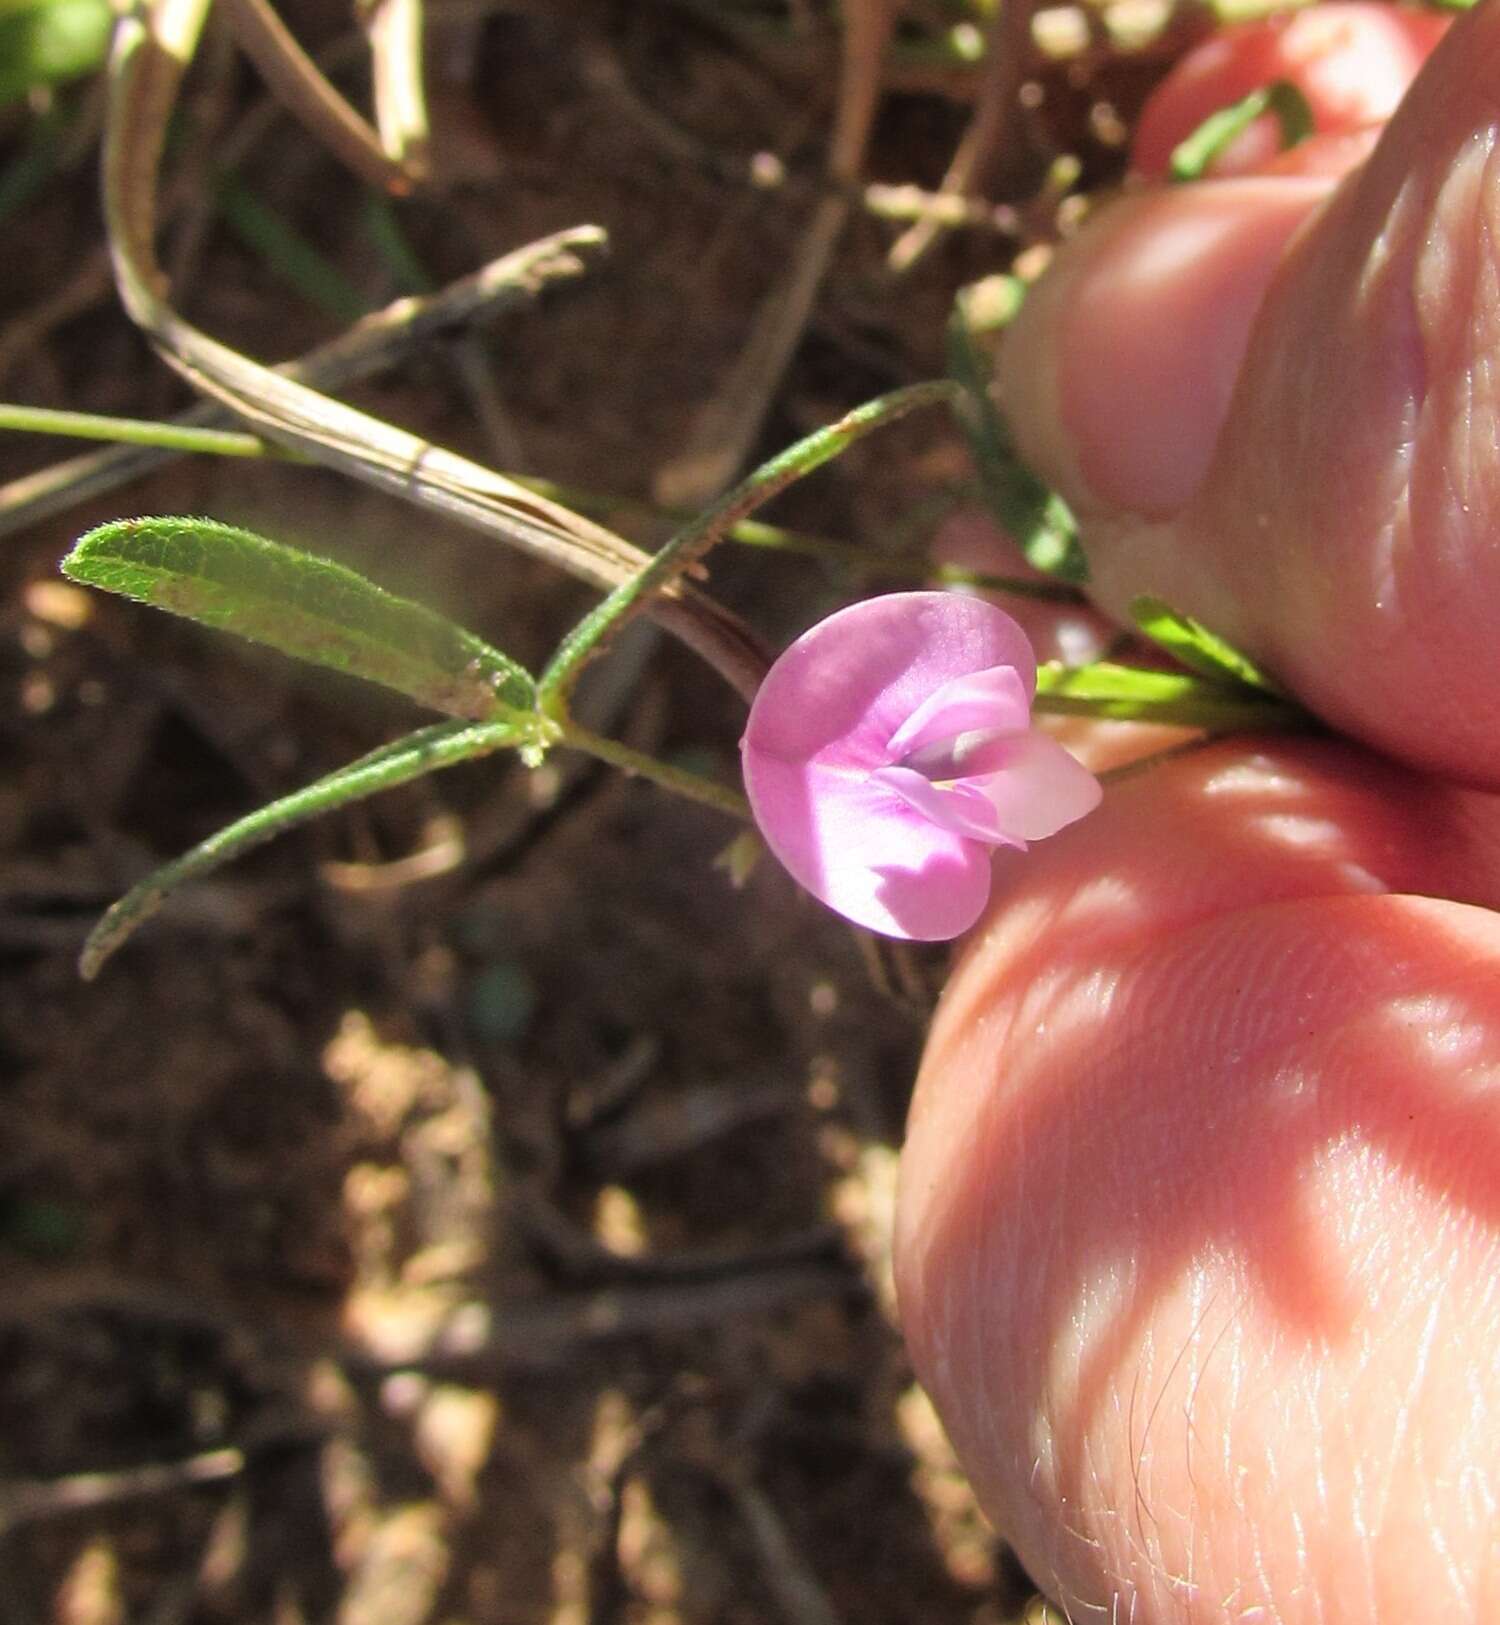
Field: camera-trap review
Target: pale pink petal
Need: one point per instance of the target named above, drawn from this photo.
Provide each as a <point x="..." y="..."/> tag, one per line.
<point x="846" y="687"/>
<point x="860" y="849"/>
<point x="995" y="699"/>
<point x="1040" y="789"/>
<point x="962" y="807"/>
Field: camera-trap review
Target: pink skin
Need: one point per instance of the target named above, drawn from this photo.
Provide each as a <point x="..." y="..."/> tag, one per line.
<point x="1199" y="1234"/>
<point x="1352" y="61"/>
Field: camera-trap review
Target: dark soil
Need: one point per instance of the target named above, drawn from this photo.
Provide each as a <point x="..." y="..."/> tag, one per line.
<point x="468" y="1209"/>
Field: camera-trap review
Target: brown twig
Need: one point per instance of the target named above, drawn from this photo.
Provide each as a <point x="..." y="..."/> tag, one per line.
<point x="577" y="1255"/>
<point x="85" y="287"/>
<point x="544" y="1333"/>
<point x="293" y="77"/>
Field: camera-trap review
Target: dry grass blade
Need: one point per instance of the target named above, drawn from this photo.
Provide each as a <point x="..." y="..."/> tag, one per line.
<point x="395" y="32"/>
<point x="25" y="1501"/>
<point x="146" y="72"/>
<point x="294" y="78"/>
<point x="726" y="427"/>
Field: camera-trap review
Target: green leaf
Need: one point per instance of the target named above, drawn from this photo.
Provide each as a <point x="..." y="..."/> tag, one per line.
<point x="1134" y="694"/>
<point x="50" y="42"/>
<point x="1195" y="646"/>
<point x="304" y="606"/>
<point x="1030" y="512"/>
<point x="1192" y="157"/>
<point x="443" y="744"/>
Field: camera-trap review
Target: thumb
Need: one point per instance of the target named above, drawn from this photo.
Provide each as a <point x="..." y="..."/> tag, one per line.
<point x="1341" y="527"/>
<point x="1118" y="373"/>
<point x="1353" y="504"/>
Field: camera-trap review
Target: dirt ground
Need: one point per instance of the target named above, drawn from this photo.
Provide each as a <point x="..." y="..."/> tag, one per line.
<point x="469" y="1209"/>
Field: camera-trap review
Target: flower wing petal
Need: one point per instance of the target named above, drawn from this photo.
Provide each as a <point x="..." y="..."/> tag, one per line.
<point x="1039" y="791"/>
<point x="866" y="853"/>
<point x="995" y="699"/>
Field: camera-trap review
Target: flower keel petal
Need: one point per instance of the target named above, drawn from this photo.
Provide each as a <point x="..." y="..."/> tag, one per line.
<point x="961" y="807"/>
<point x="1040" y="790"/>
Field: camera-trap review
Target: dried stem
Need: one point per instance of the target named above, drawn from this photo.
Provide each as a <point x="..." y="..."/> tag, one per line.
<point x="295" y="80"/>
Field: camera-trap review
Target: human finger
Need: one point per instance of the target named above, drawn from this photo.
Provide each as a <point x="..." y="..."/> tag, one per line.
<point x="1200" y="1217"/>
<point x="1344" y="534"/>
<point x="1350" y="60"/>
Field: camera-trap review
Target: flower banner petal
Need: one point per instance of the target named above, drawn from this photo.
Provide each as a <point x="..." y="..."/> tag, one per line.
<point x="846" y="686"/>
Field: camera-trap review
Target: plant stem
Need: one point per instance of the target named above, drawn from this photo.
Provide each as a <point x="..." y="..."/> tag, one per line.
<point x="692" y="785"/>
<point x="695" y="538"/>
<point x="133" y="431"/>
<point x="440" y="745"/>
<point x="377" y="343"/>
<point x="1110" y="692"/>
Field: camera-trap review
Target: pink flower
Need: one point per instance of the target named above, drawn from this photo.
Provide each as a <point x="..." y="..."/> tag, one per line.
<point x="891" y="747"/>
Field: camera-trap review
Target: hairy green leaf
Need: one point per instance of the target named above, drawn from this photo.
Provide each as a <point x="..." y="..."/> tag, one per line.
<point x="443" y="744"/>
<point x="1195" y="646"/>
<point x="1032" y="513"/>
<point x="1192" y="157"/>
<point x="1133" y="694"/>
<point x="304" y="606"/>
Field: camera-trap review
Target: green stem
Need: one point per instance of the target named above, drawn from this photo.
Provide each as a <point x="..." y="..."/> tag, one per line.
<point x="1192" y="156"/>
<point x="1109" y="692"/>
<point x="443" y="744"/>
<point x="289" y="254"/>
<point x="799" y="544"/>
<point x="695" y="538"/>
<point x="1217" y="715"/>
<point x="132" y="431"/>
<point x="692" y="785"/>
<point x="1025" y="506"/>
